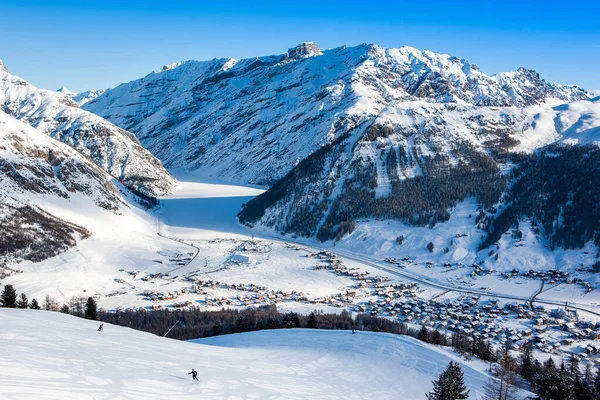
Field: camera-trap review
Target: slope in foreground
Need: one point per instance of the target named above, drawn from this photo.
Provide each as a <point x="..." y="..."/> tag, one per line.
<point x="54" y="356"/>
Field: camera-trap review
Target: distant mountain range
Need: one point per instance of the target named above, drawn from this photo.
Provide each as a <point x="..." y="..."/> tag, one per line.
<point x="56" y="156"/>
<point x="365" y="131"/>
<point x="343" y="134"/>
<point x="253" y="120"/>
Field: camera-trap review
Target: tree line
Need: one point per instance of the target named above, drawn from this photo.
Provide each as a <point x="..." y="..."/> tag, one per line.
<point x="79" y="306"/>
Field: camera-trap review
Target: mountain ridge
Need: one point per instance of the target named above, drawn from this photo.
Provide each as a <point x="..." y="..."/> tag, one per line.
<point x="113" y="149"/>
<point x="253" y="120"/>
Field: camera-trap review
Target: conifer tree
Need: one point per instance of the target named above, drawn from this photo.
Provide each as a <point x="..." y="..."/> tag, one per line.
<point x="91" y="309"/>
<point x="312" y="321"/>
<point x="9" y="297"/>
<point x="22" y="302"/>
<point x="34" y="305"/>
<point x="450" y="385"/>
<point x="423" y="334"/>
<point x="291" y="320"/>
<point x="547" y="382"/>
<point x="564" y="389"/>
<point x="217" y="329"/>
<point x="64" y="309"/>
<point x="437" y="338"/>
<point x="273" y="323"/>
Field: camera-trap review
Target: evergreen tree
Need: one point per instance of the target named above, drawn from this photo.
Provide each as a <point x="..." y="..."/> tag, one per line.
<point x="430" y="247"/>
<point x="450" y="385"/>
<point x="583" y="389"/>
<point x="22" y="302"/>
<point x="438" y="338"/>
<point x="64" y="309"/>
<point x="596" y="388"/>
<point x="91" y="309"/>
<point x="564" y="389"/>
<point x="423" y="334"/>
<point x="217" y="329"/>
<point x="312" y="321"/>
<point x="8" y="297"/>
<point x="273" y="323"/>
<point x="547" y="382"/>
<point x="34" y="305"/>
<point x="291" y="320"/>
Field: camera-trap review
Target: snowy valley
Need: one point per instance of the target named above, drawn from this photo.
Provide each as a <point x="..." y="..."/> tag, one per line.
<point x="390" y="182"/>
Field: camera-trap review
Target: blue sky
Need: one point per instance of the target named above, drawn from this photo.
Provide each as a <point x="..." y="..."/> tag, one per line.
<point x="88" y="44"/>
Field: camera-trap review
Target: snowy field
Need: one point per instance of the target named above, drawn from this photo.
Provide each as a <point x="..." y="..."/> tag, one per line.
<point x="127" y="264"/>
<point x="54" y="356"/>
<point x="199" y="227"/>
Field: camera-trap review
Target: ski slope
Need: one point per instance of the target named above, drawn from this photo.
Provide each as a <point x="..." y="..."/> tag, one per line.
<point x="49" y="355"/>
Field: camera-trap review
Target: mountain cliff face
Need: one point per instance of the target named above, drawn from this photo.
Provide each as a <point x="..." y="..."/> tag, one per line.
<point x="253" y="120"/>
<point x="35" y="170"/>
<point x="113" y="149"/>
<point x="416" y="161"/>
<point x="356" y="132"/>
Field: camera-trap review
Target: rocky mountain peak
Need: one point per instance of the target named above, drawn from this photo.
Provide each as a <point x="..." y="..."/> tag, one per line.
<point x="66" y="91"/>
<point x="303" y="50"/>
<point x="2" y="66"/>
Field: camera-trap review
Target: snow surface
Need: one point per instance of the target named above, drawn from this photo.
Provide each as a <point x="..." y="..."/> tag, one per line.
<point x="49" y="355"/>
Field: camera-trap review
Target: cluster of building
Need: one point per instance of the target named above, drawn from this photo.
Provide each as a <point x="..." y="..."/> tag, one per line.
<point x="155" y="295"/>
<point x="261" y="295"/>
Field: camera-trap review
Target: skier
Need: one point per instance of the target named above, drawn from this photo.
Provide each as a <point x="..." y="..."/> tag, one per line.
<point x="100" y="327"/>
<point x="194" y="374"/>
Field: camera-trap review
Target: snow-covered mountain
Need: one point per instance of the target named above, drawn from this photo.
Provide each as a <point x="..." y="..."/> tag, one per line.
<point x="253" y="120"/>
<point x="36" y="169"/>
<point x="113" y="149"/>
<point x="82" y="97"/>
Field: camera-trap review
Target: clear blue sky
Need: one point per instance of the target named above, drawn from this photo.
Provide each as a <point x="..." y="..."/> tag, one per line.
<point x="88" y="44"/>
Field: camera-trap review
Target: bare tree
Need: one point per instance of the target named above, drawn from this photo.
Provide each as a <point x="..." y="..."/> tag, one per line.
<point x="502" y="385"/>
<point x="50" y="303"/>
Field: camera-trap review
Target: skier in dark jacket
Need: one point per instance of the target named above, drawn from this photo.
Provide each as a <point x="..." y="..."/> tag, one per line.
<point x="194" y="374"/>
<point x="100" y="327"/>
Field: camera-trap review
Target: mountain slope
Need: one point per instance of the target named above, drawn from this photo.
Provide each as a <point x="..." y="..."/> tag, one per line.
<point x="35" y="168"/>
<point x="253" y="120"/>
<point x="294" y="364"/>
<point x="113" y="149"/>
<point x="414" y="163"/>
<point x="82" y="97"/>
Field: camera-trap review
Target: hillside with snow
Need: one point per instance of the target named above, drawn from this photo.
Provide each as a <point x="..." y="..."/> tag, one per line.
<point x="113" y="149"/>
<point x="37" y="169"/>
<point x="359" y="132"/>
<point x="66" y="225"/>
<point x="67" y="358"/>
<point x="82" y="97"/>
<point x="281" y="108"/>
